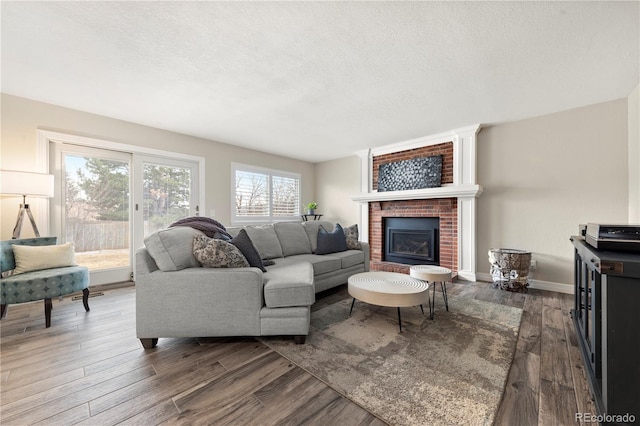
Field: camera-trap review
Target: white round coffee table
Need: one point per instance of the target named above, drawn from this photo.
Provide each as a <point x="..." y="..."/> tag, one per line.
<point x="433" y="274"/>
<point x="388" y="289"/>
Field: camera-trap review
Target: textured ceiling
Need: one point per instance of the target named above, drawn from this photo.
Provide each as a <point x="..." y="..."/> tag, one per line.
<point x="319" y="80"/>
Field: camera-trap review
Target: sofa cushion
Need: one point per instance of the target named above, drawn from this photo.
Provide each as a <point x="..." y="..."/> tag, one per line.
<point x="289" y="285"/>
<point x="293" y="238"/>
<point x="311" y="228"/>
<point x="172" y="248"/>
<point x="248" y="249"/>
<point x="36" y="258"/>
<point x="331" y="242"/>
<point x="321" y="264"/>
<point x="353" y="237"/>
<point x="214" y="253"/>
<point x="266" y="241"/>
<point x="350" y="258"/>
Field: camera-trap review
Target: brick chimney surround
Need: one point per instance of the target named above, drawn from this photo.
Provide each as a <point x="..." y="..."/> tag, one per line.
<point x="454" y="202"/>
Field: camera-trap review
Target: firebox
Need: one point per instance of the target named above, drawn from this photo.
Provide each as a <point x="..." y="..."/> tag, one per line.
<point x="412" y="240"/>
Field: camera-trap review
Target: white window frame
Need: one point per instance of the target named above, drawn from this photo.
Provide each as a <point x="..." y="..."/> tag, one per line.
<point x="243" y="220"/>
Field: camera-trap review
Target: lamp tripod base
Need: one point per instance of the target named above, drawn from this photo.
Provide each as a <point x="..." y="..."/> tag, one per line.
<point x="24" y="208"/>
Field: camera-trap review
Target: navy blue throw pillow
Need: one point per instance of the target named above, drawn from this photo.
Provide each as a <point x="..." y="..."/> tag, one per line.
<point x="248" y="249"/>
<point x="331" y="242"/>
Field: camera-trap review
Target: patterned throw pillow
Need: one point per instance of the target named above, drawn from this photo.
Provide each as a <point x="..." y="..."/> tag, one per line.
<point x="212" y="253"/>
<point x="351" y="232"/>
<point x="331" y="242"/>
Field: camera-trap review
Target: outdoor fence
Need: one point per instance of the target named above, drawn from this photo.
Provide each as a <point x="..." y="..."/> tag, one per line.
<point x="98" y="235"/>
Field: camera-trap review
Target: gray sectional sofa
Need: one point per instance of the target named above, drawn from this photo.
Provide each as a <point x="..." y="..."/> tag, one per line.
<point x="176" y="297"/>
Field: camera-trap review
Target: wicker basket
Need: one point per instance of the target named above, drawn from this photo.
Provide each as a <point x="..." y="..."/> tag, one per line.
<point x="510" y="268"/>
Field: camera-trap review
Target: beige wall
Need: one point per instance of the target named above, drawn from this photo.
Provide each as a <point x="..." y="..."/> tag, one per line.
<point x="544" y="176"/>
<point x="21" y="118"/>
<point x="634" y="155"/>
<point x="336" y="182"/>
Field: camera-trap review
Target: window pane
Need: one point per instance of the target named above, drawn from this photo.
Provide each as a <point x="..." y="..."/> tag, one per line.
<point x="285" y="196"/>
<point x="97" y="210"/>
<point x="252" y="194"/>
<point x="167" y="195"/>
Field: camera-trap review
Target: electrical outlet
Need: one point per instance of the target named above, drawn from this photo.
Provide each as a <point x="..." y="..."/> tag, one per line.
<point x="534" y="264"/>
<point x="212" y="213"/>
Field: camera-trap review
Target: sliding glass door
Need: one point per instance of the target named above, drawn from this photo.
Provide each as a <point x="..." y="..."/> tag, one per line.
<point x="96" y="211"/>
<point x="168" y="192"/>
<point x="107" y="202"/>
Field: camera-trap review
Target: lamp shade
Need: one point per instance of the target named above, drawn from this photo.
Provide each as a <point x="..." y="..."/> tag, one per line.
<point x="13" y="182"/>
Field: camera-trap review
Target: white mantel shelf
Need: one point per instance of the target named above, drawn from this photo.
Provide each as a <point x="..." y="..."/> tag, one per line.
<point x="452" y="191"/>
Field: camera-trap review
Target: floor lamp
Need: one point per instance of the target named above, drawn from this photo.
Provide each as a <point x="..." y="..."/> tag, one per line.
<point x="25" y="183"/>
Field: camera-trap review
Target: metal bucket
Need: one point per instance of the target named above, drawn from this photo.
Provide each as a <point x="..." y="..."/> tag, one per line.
<point x="510" y="268"/>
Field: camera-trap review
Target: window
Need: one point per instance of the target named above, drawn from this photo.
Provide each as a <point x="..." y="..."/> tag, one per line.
<point x="264" y="195"/>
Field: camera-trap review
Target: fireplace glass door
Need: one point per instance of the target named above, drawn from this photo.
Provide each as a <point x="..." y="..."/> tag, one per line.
<point x="412" y="241"/>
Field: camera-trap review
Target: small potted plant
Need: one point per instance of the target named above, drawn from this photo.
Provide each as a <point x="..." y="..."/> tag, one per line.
<point x="311" y="207"/>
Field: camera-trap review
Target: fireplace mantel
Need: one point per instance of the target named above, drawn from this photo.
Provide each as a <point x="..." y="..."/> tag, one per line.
<point x="449" y="191"/>
<point x="464" y="189"/>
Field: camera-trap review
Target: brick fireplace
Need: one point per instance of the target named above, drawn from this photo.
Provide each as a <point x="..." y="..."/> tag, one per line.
<point x="454" y="202"/>
<point x="444" y="209"/>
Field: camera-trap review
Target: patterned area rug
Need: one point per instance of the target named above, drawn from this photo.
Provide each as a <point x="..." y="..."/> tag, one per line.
<point x="451" y="370"/>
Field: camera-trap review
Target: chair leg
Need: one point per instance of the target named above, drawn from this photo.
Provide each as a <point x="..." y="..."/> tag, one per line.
<point x="300" y="339"/>
<point x="47" y="312"/>
<point x="3" y="310"/>
<point x="85" y="299"/>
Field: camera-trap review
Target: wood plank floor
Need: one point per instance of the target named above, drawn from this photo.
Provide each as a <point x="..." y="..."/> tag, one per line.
<point x="89" y="368"/>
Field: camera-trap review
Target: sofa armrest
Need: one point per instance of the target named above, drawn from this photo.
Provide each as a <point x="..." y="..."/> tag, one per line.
<point x="144" y="262"/>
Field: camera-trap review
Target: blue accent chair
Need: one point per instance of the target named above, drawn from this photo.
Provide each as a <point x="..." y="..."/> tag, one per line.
<point x="39" y="285"/>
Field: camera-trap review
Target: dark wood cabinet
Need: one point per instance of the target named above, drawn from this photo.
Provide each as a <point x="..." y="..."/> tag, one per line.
<point x="606" y="316"/>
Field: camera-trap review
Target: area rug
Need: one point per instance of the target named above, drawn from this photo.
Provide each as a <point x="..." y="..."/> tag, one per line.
<point x="451" y="370"/>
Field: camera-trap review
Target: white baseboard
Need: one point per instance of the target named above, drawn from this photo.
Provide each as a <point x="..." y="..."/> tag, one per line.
<point x="537" y="284"/>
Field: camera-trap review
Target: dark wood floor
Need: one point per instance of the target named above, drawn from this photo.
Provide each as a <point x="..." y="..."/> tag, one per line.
<point x="89" y="368"/>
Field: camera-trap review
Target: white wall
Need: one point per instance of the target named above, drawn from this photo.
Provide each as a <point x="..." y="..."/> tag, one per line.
<point x="544" y="176"/>
<point x="21" y="118"/>
<point x="634" y="155"/>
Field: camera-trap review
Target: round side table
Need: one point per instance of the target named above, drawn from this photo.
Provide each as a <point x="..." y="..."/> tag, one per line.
<point x="433" y="274"/>
<point x="388" y="289"/>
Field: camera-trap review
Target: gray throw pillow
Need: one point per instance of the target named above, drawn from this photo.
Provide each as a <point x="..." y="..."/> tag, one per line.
<point x="351" y="232"/>
<point x="212" y="253"/>
<point x="248" y="249"/>
<point x="331" y="242"/>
